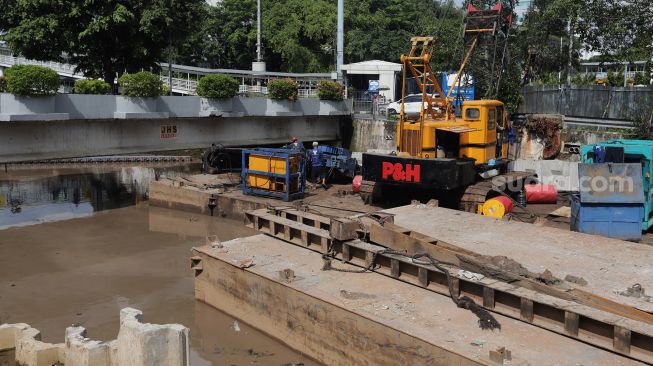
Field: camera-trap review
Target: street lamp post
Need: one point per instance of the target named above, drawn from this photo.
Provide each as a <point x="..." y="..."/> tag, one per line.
<point x="170" y="50"/>
<point x="259" y="64"/>
<point x="340" y="39"/>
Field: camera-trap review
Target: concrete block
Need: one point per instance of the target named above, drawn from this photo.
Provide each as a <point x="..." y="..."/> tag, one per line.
<point x="9" y="333"/>
<point x="81" y="351"/>
<point x="138" y="344"/>
<point x="151" y="344"/>
<point x="30" y="351"/>
<point x="562" y="174"/>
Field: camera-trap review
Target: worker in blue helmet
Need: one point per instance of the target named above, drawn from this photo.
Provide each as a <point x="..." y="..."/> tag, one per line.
<point x="317" y="166"/>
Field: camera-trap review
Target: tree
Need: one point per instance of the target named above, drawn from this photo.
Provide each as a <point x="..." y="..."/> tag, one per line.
<point x="301" y="33"/>
<point x="103" y="38"/>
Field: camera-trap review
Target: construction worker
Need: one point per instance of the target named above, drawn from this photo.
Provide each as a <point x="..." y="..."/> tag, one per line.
<point x="317" y="166"/>
<point x="294" y="144"/>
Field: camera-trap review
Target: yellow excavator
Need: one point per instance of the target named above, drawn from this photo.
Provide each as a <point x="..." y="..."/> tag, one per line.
<point x="459" y="157"/>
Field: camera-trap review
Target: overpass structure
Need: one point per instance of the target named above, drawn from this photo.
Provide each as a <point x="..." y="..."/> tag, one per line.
<point x="185" y="78"/>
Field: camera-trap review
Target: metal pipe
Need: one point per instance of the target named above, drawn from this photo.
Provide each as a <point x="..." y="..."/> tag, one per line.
<point x="340" y="39"/>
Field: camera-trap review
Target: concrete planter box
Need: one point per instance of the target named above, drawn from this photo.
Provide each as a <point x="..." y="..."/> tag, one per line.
<point x="140" y="108"/>
<point x="86" y="106"/>
<point x="284" y="108"/>
<point x="24" y="108"/>
<point x="180" y="107"/>
<point x="15" y="104"/>
<point x="217" y="107"/>
<point x="333" y="108"/>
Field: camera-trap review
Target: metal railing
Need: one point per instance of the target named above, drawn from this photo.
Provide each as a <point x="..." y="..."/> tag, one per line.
<point x="61" y="68"/>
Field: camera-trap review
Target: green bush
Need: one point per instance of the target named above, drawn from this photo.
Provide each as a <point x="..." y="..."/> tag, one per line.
<point x="141" y="84"/>
<point x="283" y="89"/>
<point x="3" y="84"/>
<point x="217" y="86"/>
<point x="32" y="80"/>
<point x="91" y="87"/>
<point x="330" y="90"/>
<point x="588" y="79"/>
<point x="615" y="78"/>
<point x="640" y="79"/>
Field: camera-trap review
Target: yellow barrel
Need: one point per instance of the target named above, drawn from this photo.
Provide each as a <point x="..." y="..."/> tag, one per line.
<point x="497" y="207"/>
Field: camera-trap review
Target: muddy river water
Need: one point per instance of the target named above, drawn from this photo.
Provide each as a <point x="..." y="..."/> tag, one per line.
<point x="77" y="244"/>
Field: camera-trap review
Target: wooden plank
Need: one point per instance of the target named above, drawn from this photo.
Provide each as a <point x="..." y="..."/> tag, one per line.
<point x="344" y="229"/>
<point x="571" y="323"/>
<point x="622" y="339"/>
<point x="526" y="310"/>
<point x="395" y="269"/>
<point x="488" y="297"/>
<point x="346" y="255"/>
<point x="286" y="232"/>
<point x="423" y="275"/>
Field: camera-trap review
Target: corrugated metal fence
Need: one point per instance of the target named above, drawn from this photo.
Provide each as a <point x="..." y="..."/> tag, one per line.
<point x="593" y="101"/>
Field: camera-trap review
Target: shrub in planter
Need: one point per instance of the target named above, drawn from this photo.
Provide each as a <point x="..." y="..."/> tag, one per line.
<point x="32" y="80"/>
<point x="141" y="84"/>
<point x="330" y="90"/>
<point x="283" y="89"/>
<point x="217" y="86"/>
<point x="3" y="84"/>
<point x="91" y="87"/>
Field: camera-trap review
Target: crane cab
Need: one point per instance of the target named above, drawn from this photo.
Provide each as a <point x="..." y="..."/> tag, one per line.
<point x="487" y="118"/>
<point x="477" y="134"/>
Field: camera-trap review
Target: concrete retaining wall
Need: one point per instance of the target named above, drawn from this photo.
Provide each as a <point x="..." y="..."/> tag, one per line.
<point x="374" y="135"/>
<point x="138" y="344"/>
<point x="78" y="106"/>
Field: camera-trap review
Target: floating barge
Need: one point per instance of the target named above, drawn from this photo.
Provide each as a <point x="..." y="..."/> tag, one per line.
<point x="341" y="318"/>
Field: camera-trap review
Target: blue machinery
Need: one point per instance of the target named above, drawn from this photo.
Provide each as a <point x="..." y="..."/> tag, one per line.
<point x="616" y="195"/>
<point x="338" y="158"/>
<point x="279" y="173"/>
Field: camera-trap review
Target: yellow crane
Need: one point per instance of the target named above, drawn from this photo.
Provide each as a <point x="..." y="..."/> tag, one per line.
<point x="439" y="153"/>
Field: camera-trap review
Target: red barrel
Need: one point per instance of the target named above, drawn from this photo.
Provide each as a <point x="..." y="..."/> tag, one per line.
<point x="356" y="183"/>
<point x="541" y="193"/>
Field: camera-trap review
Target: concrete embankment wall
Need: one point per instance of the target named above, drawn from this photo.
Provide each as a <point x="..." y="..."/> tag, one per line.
<point x="373" y="135"/>
<point x="84" y="125"/>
